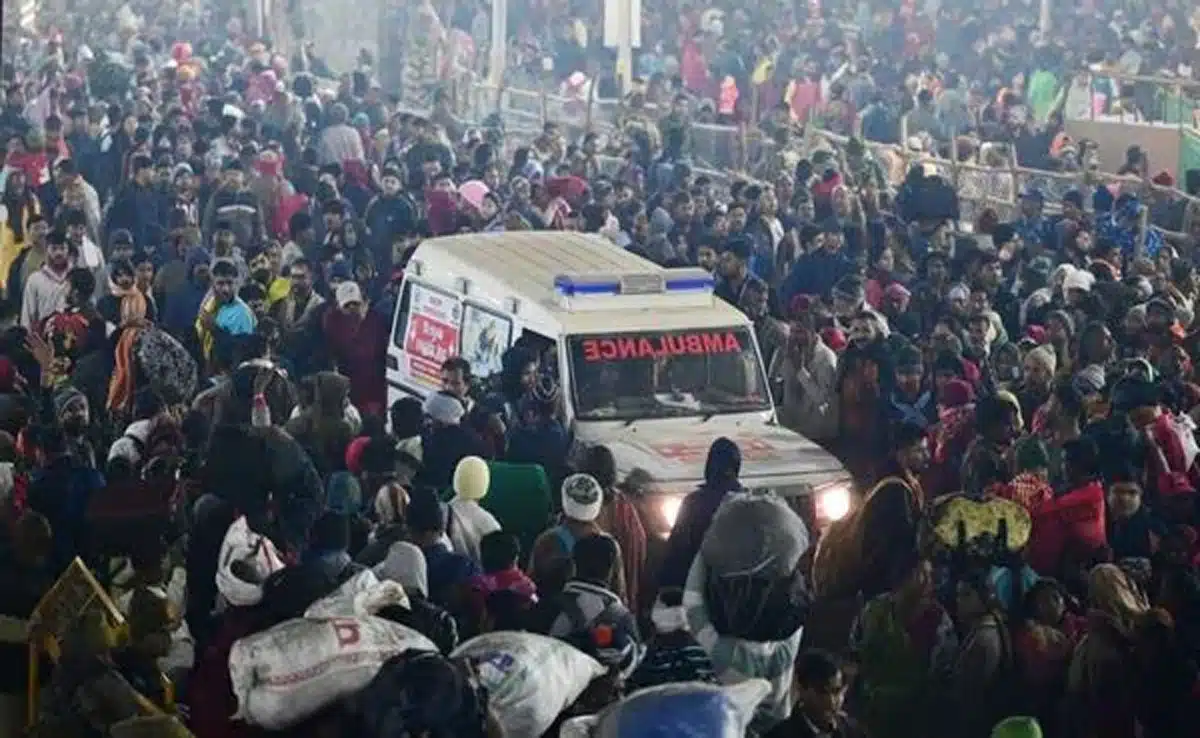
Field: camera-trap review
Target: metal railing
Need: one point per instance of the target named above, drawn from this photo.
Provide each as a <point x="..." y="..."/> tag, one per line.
<point x="726" y="153"/>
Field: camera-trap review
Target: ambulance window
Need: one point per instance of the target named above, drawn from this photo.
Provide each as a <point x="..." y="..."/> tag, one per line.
<point x="484" y="338"/>
<point x="545" y="349"/>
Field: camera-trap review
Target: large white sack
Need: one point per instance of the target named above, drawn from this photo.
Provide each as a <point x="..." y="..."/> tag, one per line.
<point x="292" y="671"/>
<point x="362" y="594"/>
<point x="530" y="678"/>
<point x="674" y="710"/>
<point x="256" y="550"/>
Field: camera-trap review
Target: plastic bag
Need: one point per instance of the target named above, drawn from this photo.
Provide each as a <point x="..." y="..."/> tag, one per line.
<point x="362" y="594"/>
<point x="257" y="555"/>
<point x="294" y="670"/>
<point x="676" y="711"/>
<point x="530" y="678"/>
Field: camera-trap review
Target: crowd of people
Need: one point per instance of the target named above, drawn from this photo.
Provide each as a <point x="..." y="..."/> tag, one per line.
<point x="201" y="254"/>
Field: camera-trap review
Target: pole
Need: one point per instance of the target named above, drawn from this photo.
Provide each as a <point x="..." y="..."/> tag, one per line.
<point x="625" y="23"/>
<point x="499" y="55"/>
<point x="1044" y="19"/>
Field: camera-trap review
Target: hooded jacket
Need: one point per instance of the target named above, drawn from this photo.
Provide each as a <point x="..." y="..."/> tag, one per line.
<point x="322" y="429"/>
<point x="721" y="471"/>
<point x="182" y="307"/>
<point x="243" y="212"/>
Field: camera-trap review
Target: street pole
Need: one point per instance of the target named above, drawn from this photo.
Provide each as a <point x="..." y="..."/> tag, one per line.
<point x="1044" y="19"/>
<point x="499" y="50"/>
<point x="625" y="21"/>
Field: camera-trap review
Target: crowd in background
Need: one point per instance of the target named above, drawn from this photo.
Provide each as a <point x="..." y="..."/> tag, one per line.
<point x="201" y="249"/>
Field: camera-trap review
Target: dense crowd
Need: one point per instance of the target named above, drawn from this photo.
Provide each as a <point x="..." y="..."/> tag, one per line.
<point x="202" y="249"/>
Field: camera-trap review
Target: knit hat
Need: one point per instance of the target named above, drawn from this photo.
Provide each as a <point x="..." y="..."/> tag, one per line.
<point x="354" y="454"/>
<point x="956" y="393"/>
<point x="1064" y="318"/>
<point x="1045" y="357"/>
<point x="850" y="288"/>
<point x="958" y="292"/>
<point x="1017" y="727"/>
<point x="65" y="397"/>
<point x="471" y="478"/>
<point x="405" y="564"/>
<point x="1089" y="380"/>
<point x="1031" y="454"/>
<point x="1037" y="334"/>
<point x="444" y="408"/>
<point x="909" y="358"/>
<point x="582" y="497"/>
<point x="897" y="292"/>
<point x="834" y="338"/>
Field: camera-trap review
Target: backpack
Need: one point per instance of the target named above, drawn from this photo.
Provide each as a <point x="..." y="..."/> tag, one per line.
<point x="566" y="538"/>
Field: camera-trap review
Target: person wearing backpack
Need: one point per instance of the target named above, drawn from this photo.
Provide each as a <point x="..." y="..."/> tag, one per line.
<point x="582" y="501"/>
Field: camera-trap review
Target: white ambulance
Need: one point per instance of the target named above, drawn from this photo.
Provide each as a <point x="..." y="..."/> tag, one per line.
<point x="649" y="361"/>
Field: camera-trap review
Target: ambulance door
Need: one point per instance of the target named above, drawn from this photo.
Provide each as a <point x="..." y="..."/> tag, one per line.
<point x="425" y="333"/>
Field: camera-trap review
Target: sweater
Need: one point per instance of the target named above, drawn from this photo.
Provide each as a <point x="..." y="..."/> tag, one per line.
<point x="45" y="293"/>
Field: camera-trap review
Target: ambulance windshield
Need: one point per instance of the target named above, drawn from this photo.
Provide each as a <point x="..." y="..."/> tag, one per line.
<point x="630" y="376"/>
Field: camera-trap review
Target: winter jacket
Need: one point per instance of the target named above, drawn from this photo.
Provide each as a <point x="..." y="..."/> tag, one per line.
<point x="143" y="211"/>
<point x="242" y="210"/>
<point x="359" y="346"/>
<point x="62" y="492"/>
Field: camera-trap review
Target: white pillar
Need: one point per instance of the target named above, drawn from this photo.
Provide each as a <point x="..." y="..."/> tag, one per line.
<point x="625" y="21"/>
<point x="1044" y="19"/>
<point x="499" y="51"/>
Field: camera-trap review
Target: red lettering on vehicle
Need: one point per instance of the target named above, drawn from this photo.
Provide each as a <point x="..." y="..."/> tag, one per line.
<point x="661" y="346"/>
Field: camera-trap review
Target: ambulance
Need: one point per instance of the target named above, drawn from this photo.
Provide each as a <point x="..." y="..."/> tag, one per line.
<point x="649" y="361"/>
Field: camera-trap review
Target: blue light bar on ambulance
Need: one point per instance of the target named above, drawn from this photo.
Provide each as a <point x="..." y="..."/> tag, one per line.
<point x="667" y="281"/>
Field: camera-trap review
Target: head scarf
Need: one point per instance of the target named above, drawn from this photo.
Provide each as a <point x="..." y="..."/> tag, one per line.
<point x="405" y="564"/>
<point x="1115" y="597"/>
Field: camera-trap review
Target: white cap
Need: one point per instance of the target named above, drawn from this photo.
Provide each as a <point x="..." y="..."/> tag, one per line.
<point x="444" y="408"/>
<point x="346" y="293"/>
<point x="582" y="497"/>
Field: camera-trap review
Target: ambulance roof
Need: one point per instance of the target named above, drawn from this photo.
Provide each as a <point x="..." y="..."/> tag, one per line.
<point x="523" y="265"/>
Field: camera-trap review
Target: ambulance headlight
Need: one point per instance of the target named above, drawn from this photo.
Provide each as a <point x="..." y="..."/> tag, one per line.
<point x="668" y="507"/>
<point x="833" y="501"/>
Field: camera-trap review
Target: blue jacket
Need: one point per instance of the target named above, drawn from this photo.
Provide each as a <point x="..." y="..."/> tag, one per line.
<point x="62" y="492"/>
<point x="815" y="274"/>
